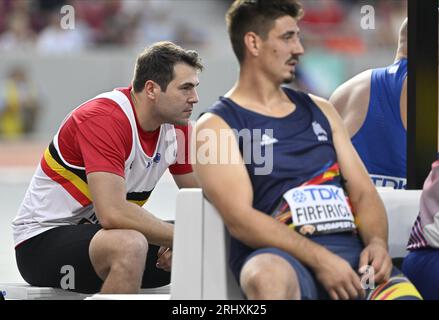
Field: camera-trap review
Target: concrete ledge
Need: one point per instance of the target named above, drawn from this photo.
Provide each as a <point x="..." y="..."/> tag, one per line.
<point x="24" y="291"/>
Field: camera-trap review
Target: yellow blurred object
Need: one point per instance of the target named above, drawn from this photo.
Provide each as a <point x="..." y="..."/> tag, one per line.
<point x="11" y="123"/>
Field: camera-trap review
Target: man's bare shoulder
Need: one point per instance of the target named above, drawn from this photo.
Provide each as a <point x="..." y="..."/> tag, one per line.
<point x="208" y="119"/>
<point x="355" y="91"/>
<point x="320" y="101"/>
<point x="351" y="100"/>
<point x="211" y="121"/>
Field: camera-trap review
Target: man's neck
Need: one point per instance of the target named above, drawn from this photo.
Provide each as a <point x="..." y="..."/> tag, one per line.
<point x="261" y="95"/>
<point x="144" y="112"/>
<point x="256" y="87"/>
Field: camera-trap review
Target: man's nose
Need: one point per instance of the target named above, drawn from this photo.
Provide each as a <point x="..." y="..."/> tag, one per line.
<point x="298" y="48"/>
<point x="194" y="97"/>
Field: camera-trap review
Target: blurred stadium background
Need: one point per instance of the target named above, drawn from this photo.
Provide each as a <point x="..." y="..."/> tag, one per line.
<point x="47" y="71"/>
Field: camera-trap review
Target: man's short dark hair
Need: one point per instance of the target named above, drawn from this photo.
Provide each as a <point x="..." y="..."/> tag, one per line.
<point x="257" y="16"/>
<point x="157" y="63"/>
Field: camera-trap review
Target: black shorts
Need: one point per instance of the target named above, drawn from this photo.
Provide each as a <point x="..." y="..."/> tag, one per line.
<point x="40" y="260"/>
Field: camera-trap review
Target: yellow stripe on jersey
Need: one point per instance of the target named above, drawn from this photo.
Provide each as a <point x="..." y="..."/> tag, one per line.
<point x="139" y="203"/>
<point x="66" y="174"/>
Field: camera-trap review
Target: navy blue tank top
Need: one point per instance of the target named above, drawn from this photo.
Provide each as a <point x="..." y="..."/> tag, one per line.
<point x="302" y="147"/>
<point x="302" y="153"/>
<point x="381" y="141"/>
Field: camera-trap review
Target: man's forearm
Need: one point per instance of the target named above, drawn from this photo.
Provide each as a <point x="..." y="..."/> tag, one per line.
<point x="372" y="220"/>
<point x="131" y="216"/>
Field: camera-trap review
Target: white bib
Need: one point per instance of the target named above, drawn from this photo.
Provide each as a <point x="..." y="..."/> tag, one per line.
<point x="319" y="209"/>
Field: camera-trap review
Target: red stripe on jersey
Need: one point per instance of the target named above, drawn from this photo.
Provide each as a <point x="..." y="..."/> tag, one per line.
<point x="66" y="184"/>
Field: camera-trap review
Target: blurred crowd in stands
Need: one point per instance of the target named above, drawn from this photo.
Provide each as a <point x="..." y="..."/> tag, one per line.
<point x="333" y="38"/>
<point x="336" y="24"/>
<point x="333" y="24"/>
<point x="26" y="24"/>
<point x="343" y="37"/>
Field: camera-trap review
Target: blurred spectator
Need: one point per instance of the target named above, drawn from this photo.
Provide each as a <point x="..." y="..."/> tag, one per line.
<point x="101" y="18"/>
<point x="50" y="5"/>
<point x="54" y="39"/>
<point x="118" y="29"/>
<point x="97" y="22"/>
<point x="188" y="36"/>
<point x="19" y="36"/>
<point x="156" y="24"/>
<point x="29" y="8"/>
<point x="19" y="104"/>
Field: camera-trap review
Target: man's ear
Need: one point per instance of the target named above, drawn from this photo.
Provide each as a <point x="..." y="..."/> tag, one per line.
<point x="253" y="43"/>
<point x="151" y="89"/>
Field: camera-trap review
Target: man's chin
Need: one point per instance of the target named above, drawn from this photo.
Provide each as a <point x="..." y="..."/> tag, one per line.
<point x="289" y="79"/>
<point x="181" y="122"/>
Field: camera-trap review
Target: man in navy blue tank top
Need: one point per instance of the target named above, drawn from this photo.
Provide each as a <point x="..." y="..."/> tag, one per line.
<point x="305" y="219"/>
<point x="373" y="106"/>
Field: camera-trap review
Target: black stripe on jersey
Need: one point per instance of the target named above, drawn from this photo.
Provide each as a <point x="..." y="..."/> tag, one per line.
<point x="54" y="153"/>
<point x="139" y="196"/>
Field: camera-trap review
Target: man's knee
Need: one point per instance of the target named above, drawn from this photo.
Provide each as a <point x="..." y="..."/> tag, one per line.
<point x="269" y="276"/>
<point x="124" y="249"/>
<point x="132" y="243"/>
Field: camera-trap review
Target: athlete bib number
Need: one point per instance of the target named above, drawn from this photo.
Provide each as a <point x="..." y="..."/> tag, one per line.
<point x="319" y="209"/>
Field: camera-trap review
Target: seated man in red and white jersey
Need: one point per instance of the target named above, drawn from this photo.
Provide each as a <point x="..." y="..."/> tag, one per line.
<point x="83" y="208"/>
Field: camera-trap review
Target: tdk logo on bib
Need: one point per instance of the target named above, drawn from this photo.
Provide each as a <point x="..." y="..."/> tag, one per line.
<point x="319" y="209"/>
<point x="317" y="193"/>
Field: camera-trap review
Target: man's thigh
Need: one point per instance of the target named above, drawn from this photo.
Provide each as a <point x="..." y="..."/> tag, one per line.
<point x="60" y="258"/>
<point x="309" y="287"/>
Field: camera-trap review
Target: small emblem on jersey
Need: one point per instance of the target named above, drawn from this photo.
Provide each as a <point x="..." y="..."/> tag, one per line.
<point x="267" y="140"/>
<point x="321" y="134"/>
<point x="131" y="165"/>
<point x="157" y="158"/>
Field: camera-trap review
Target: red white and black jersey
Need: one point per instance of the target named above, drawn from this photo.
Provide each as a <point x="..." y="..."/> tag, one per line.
<point x="101" y="135"/>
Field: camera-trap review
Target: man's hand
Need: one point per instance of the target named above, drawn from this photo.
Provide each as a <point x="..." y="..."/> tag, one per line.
<point x="376" y="255"/>
<point x="338" y="278"/>
<point x="164" y="260"/>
